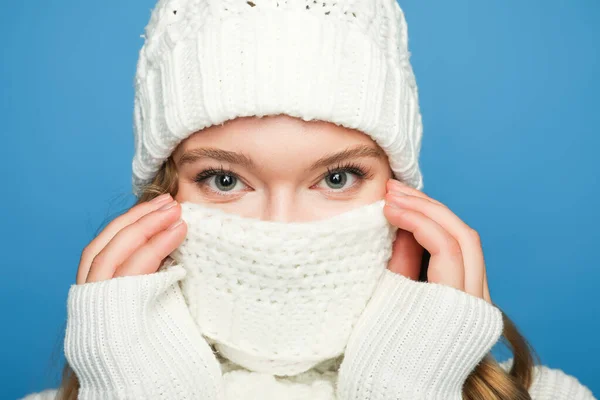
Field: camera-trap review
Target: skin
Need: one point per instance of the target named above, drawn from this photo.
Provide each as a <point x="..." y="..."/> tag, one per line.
<point x="280" y="185"/>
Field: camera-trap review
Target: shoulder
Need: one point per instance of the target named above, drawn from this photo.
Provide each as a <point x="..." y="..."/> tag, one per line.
<point x="48" y="394"/>
<point x="554" y="384"/>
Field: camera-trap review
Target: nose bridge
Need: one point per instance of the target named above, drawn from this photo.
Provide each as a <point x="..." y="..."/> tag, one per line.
<point x="281" y="205"/>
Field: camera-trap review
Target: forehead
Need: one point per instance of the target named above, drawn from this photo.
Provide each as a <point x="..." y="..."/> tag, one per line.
<point x="276" y="133"/>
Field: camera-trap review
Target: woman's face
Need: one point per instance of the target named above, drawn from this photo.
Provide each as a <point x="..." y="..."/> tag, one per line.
<point x="281" y="168"/>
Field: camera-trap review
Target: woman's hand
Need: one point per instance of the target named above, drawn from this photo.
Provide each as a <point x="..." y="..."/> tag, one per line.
<point x="418" y="340"/>
<point x="456" y="254"/>
<point x="134" y="337"/>
<point x="134" y="243"/>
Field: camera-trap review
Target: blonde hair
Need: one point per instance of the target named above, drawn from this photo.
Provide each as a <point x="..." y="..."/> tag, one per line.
<point x="488" y="381"/>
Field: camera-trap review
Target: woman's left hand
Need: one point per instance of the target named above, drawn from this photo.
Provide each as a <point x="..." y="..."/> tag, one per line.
<point x="416" y="339"/>
<point x="456" y="254"/>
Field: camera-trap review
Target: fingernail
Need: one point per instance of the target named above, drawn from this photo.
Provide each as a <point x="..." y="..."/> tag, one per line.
<point x="176" y="224"/>
<point x="168" y="205"/>
<point x="160" y="199"/>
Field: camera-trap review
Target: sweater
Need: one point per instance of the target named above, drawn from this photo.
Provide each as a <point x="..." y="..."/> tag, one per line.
<point x="133" y="337"/>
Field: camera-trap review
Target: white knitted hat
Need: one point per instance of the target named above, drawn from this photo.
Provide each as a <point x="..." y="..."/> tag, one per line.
<point x="208" y="61"/>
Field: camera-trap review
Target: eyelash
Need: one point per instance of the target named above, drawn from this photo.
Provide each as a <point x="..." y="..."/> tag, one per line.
<point x="361" y="172"/>
<point x="210" y="172"/>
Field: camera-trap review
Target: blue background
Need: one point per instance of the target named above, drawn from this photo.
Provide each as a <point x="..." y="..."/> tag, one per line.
<point x="509" y="93"/>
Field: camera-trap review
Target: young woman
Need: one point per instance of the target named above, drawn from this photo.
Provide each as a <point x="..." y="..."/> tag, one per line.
<point x="277" y="244"/>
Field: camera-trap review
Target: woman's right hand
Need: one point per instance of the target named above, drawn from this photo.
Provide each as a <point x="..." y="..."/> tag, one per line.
<point x="134" y="243"/>
<point x="133" y="336"/>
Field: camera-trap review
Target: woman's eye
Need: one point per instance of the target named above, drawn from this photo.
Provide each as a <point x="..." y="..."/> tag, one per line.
<point x="224" y="183"/>
<point x="339" y="180"/>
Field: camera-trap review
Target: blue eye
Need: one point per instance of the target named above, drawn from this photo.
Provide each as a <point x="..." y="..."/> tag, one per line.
<point x="219" y="181"/>
<point x="338" y="180"/>
<point x="342" y="177"/>
<point x="225" y="182"/>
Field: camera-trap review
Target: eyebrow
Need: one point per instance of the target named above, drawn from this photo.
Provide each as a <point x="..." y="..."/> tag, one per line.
<point x="231" y="157"/>
<point x="352" y="152"/>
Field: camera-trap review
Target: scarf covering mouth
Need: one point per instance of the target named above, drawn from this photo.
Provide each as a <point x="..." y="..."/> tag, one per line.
<point x="279" y="297"/>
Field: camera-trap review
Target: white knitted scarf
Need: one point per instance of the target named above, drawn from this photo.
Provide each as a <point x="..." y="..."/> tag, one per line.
<point x="281" y="297"/>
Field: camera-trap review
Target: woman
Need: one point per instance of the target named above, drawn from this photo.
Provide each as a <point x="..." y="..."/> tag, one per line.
<point x="276" y="245"/>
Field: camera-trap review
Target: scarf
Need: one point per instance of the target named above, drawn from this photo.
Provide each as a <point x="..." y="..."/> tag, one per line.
<point x="279" y="297"/>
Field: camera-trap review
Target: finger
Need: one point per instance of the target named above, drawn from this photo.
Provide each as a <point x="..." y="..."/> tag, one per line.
<point x="394" y="185"/>
<point x="148" y="258"/>
<point x="486" y="288"/>
<point x="467" y="238"/>
<point x="96" y="245"/>
<point x="131" y="238"/>
<point x="446" y="263"/>
<point x="406" y="255"/>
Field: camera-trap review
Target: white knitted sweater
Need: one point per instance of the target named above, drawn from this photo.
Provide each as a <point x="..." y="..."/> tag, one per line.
<point x="134" y="338"/>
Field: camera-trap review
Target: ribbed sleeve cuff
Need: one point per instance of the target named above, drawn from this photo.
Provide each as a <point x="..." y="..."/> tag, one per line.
<point x="133" y="337"/>
<point x="417" y="340"/>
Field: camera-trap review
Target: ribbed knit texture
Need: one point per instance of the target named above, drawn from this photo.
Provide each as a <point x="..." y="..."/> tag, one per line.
<point x="208" y="61"/>
<point x="418" y="341"/>
<point x="133" y="337"/>
<point x="281" y="297"/>
<point x="126" y="348"/>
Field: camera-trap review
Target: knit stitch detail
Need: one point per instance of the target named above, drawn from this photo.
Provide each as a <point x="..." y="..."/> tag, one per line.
<point x="417" y="340"/>
<point x="239" y="384"/>
<point x="205" y="62"/>
<point x="281" y="297"/>
<point x="133" y="338"/>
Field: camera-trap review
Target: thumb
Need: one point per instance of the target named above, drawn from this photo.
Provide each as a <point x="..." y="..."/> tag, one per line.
<point x="406" y="255"/>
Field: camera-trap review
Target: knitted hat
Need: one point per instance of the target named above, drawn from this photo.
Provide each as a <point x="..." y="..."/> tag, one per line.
<point x="205" y="62"/>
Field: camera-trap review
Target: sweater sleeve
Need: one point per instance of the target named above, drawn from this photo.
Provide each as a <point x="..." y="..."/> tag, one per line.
<point x="416" y="340"/>
<point x="554" y="384"/>
<point x="133" y="337"/>
<point x="48" y="394"/>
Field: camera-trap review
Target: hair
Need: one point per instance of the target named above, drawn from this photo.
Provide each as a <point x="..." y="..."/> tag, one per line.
<point x="488" y="380"/>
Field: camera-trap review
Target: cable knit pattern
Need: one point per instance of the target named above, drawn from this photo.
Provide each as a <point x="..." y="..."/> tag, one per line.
<point x="208" y="61"/>
<point x="122" y="320"/>
<point x="133" y="338"/>
<point x="281" y="297"/>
